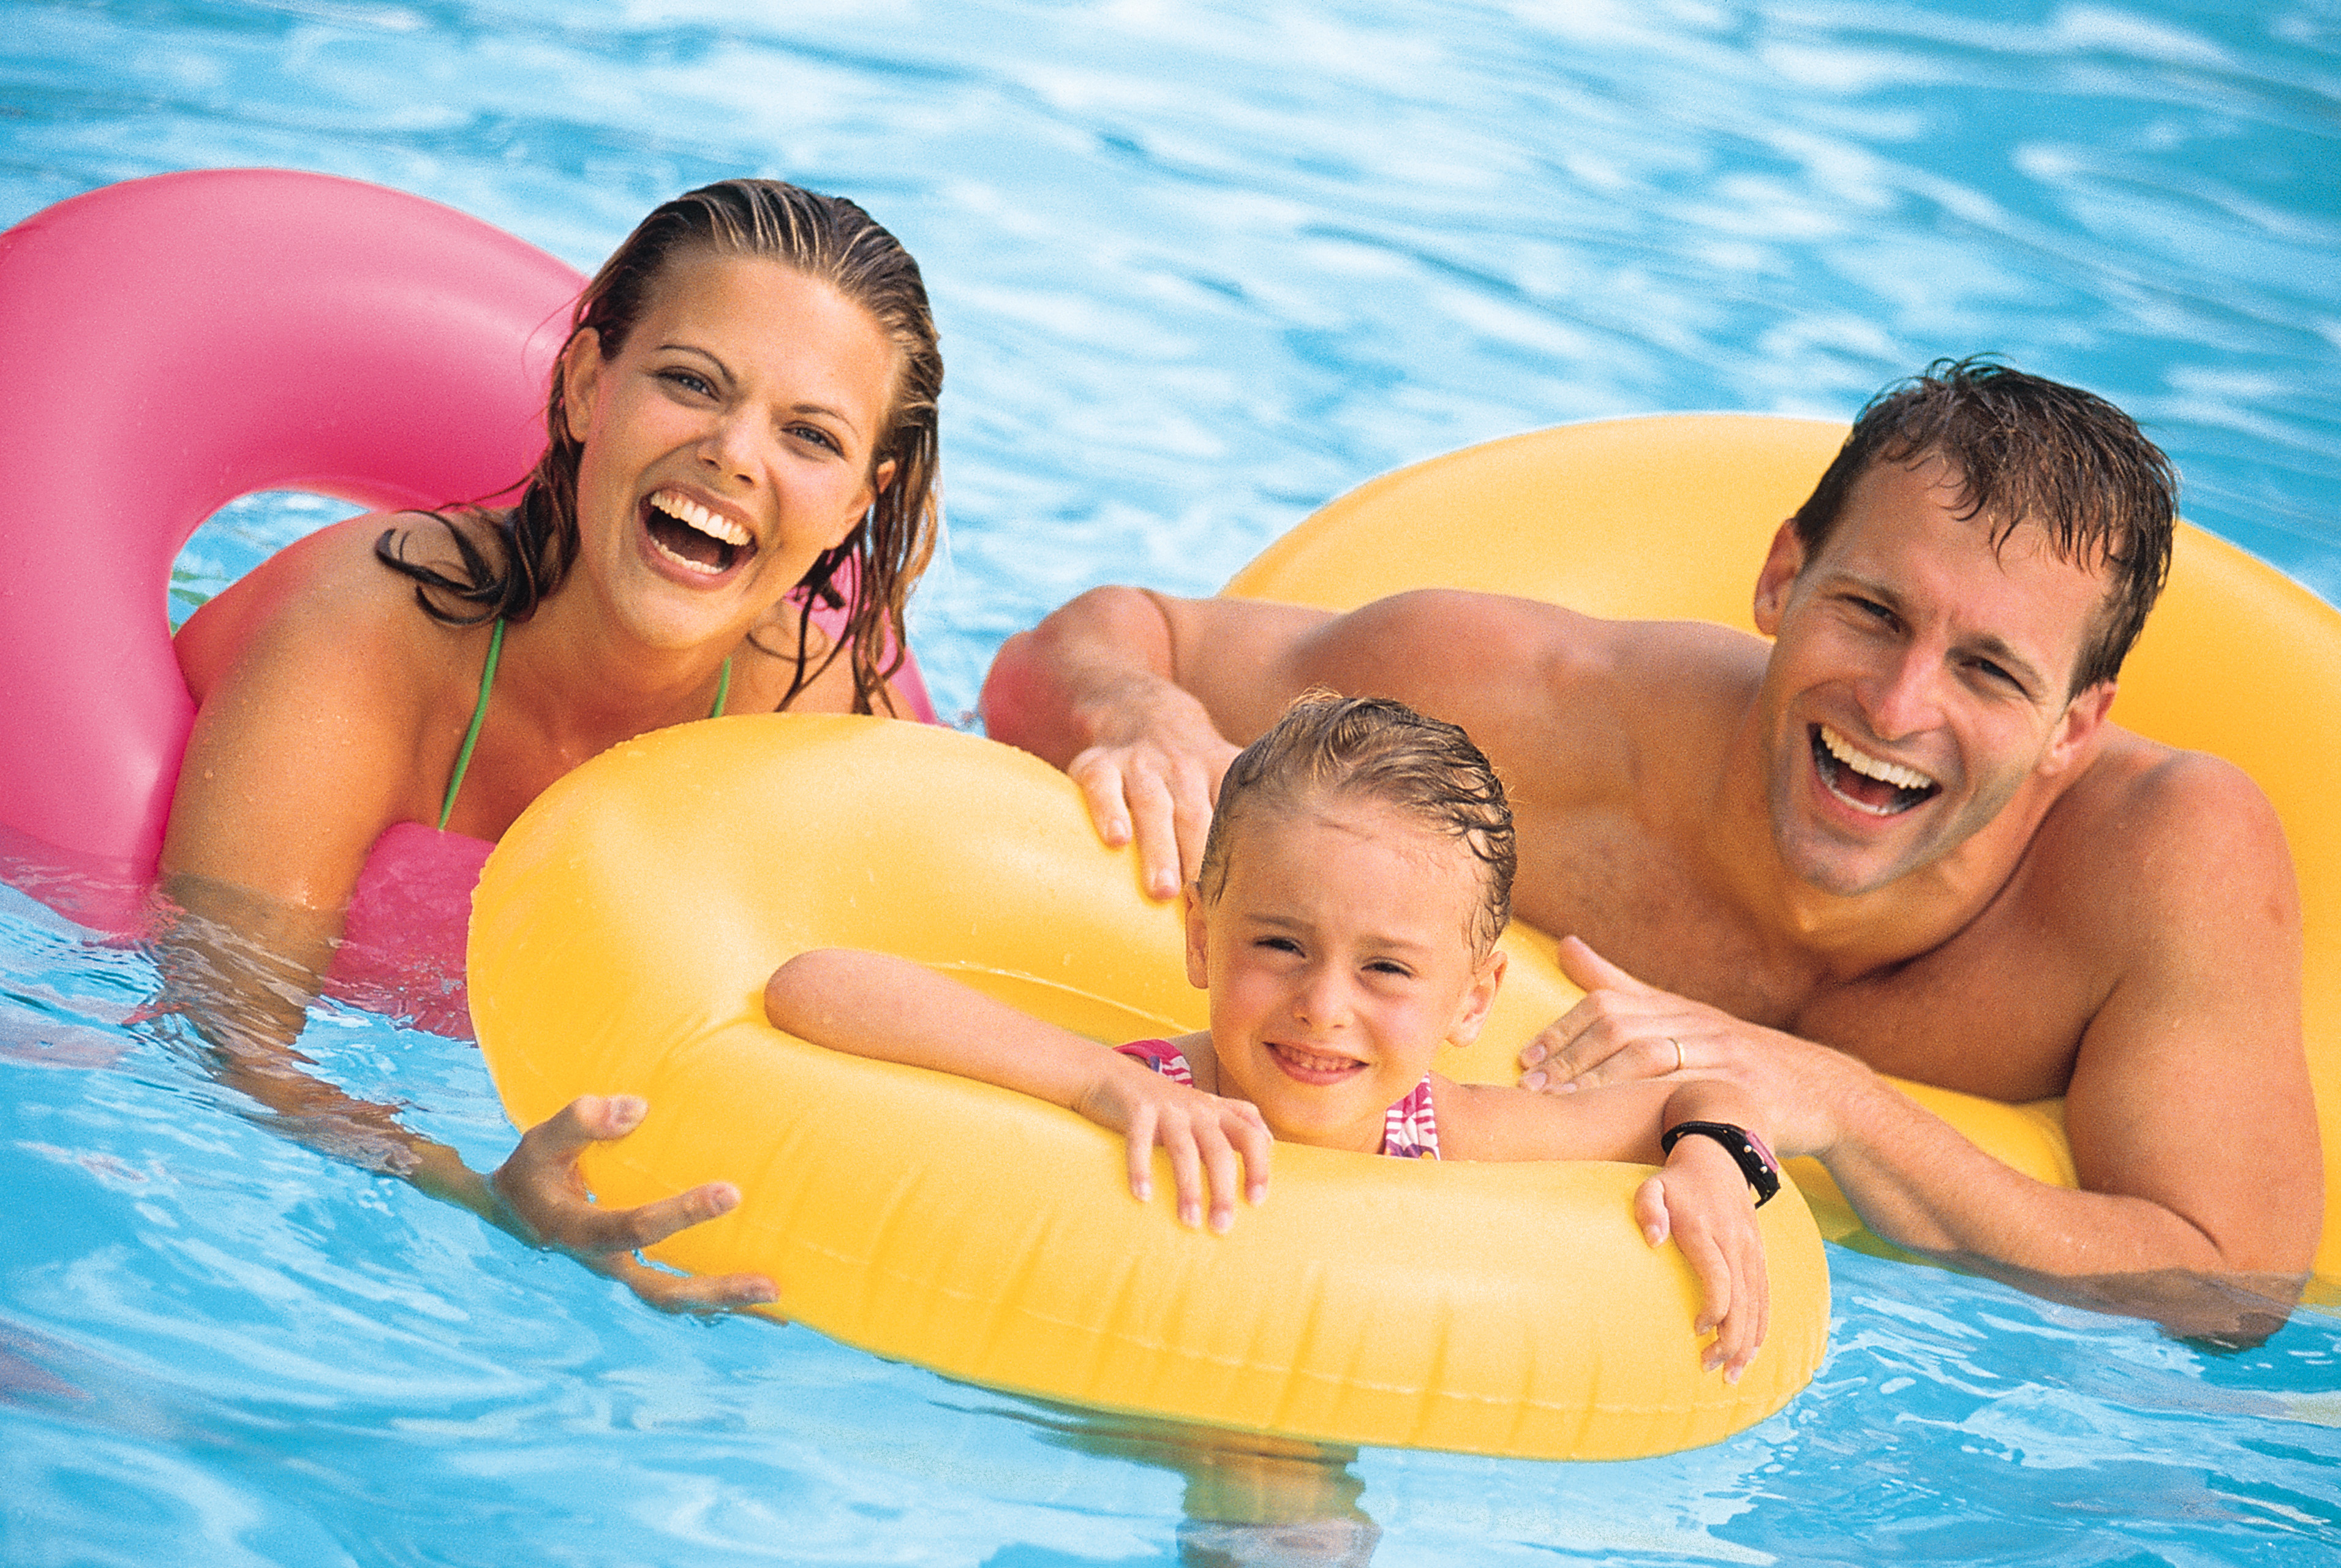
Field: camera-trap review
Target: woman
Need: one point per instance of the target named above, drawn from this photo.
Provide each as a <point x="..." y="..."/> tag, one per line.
<point x="742" y="444"/>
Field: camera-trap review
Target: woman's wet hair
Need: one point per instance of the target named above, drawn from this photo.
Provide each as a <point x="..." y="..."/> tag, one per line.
<point x="1373" y="749"/>
<point x="2027" y="450"/>
<point x="873" y="569"/>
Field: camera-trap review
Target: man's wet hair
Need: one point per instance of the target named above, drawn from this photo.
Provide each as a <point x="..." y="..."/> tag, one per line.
<point x="1374" y="749"/>
<point x="2027" y="450"/>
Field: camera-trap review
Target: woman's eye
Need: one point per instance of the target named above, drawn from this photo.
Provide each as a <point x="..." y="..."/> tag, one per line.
<point x="818" y="437"/>
<point x="689" y="380"/>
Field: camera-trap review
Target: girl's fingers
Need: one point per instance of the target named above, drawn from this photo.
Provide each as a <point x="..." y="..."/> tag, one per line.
<point x="1650" y="1210"/>
<point x="1186" y="1171"/>
<point x="1139" y="1148"/>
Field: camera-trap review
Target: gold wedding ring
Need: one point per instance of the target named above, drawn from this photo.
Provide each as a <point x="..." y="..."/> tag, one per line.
<point x="1678" y="1054"/>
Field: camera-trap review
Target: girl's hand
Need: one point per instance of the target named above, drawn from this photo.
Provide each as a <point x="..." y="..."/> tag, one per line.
<point x="1702" y="1200"/>
<point x="1206" y="1136"/>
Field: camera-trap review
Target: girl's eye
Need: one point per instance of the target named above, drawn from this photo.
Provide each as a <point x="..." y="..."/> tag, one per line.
<point x="1391" y="967"/>
<point x="1278" y="944"/>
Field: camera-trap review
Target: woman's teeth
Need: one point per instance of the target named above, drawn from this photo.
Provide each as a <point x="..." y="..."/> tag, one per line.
<point x="683" y="509"/>
<point x="693" y="536"/>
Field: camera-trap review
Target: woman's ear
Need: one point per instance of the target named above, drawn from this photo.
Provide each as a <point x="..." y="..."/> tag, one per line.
<point x="581" y="371"/>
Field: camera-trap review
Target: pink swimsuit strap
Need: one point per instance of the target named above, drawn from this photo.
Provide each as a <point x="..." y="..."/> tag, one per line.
<point x="1409" y="1128"/>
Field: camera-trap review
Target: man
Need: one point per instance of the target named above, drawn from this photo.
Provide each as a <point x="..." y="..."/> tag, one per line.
<point x="1901" y="839"/>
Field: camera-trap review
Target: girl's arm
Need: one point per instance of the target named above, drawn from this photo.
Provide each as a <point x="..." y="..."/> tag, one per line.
<point x="878" y="1005"/>
<point x="1700" y="1197"/>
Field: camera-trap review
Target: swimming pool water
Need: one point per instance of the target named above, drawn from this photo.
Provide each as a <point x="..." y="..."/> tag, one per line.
<point x="1198" y="267"/>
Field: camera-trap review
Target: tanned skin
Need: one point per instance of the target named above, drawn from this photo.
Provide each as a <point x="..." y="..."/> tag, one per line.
<point x="2057" y="906"/>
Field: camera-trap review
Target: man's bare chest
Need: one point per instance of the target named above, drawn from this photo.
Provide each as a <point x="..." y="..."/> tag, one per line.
<point x="1997" y="1008"/>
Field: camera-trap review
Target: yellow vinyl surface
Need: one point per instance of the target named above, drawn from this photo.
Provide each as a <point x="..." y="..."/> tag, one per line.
<point x="621" y="939"/>
<point x="1668" y="517"/>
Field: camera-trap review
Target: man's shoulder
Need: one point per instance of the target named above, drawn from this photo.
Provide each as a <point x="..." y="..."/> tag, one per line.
<point x="2163" y="828"/>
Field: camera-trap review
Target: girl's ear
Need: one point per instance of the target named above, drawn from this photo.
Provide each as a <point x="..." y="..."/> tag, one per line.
<point x="1471" y="1016"/>
<point x="1199" y="938"/>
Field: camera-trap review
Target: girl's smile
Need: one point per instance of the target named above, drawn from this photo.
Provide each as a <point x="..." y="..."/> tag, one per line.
<point x="1339" y="954"/>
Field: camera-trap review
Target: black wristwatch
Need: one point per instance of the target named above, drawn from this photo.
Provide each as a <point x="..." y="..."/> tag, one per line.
<point x="1756" y="1162"/>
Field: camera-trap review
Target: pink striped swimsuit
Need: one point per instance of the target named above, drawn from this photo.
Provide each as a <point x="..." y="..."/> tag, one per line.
<point x="1409" y="1128"/>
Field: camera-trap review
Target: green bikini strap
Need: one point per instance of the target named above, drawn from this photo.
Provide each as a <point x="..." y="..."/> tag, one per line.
<point x="479" y="712"/>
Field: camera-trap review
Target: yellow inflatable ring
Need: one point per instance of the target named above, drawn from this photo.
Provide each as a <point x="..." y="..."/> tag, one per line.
<point x="621" y="938"/>
<point x="1668" y="517"/>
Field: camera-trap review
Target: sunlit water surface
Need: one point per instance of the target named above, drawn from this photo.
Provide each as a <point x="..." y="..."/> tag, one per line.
<point x="1197" y="269"/>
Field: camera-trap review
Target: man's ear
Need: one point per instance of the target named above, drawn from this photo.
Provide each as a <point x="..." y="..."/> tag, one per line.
<point x="2077" y="729"/>
<point x="1781" y="564"/>
<point x="1487" y="979"/>
<point x="581" y="370"/>
<point x="1199" y="938"/>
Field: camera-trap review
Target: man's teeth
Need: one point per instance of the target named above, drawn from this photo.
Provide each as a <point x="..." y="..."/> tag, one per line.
<point x="1869" y="766"/>
<point x="683" y="509"/>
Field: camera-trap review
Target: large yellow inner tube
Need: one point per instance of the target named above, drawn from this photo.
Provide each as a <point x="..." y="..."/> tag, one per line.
<point x="621" y="939"/>
<point x="1668" y="517"/>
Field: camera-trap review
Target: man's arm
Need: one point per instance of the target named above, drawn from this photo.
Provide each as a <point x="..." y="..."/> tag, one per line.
<point x="1136" y="695"/>
<point x="2189" y="1111"/>
<point x="1144" y="698"/>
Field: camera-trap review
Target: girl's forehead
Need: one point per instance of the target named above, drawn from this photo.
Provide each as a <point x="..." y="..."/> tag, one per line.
<point x="1327" y="832"/>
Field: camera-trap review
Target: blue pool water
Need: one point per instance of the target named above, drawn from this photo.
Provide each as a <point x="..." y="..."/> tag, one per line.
<point x="1199" y="268"/>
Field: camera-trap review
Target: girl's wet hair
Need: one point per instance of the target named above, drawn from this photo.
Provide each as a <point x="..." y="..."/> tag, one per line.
<point x="1374" y="749"/>
<point x="827" y="238"/>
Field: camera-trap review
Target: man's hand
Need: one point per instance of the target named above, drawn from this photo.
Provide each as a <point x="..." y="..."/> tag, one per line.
<point x="1625" y="1030"/>
<point x="1155" y="780"/>
<point x="541" y="1198"/>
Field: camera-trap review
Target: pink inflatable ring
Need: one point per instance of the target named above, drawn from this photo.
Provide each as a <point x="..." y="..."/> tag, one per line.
<point x="174" y="342"/>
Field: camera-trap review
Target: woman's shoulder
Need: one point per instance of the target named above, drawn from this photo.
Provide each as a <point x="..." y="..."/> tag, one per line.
<point x="327" y="607"/>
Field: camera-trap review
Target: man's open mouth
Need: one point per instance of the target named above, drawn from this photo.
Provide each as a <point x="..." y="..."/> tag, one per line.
<point x="692" y="536"/>
<point x="1870" y="783"/>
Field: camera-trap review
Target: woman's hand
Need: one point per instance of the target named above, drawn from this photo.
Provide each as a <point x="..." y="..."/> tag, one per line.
<point x="541" y="1198"/>
<point x="1206" y="1136"/>
<point x="1701" y="1200"/>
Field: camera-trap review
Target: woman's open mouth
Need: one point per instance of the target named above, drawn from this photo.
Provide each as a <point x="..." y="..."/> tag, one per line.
<point x="694" y="537"/>
<point x="1866" y="783"/>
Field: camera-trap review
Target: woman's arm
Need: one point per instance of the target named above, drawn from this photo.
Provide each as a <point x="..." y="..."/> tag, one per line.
<point x="878" y="1005"/>
<point x="307" y="745"/>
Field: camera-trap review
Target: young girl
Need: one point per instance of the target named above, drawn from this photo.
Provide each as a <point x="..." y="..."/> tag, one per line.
<point x="1344" y="919"/>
